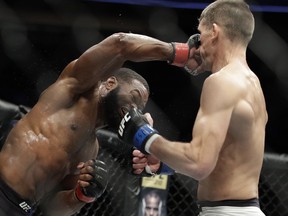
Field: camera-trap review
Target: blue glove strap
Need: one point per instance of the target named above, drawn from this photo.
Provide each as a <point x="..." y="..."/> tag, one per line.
<point x="142" y="134"/>
<point x="165" y="170"/>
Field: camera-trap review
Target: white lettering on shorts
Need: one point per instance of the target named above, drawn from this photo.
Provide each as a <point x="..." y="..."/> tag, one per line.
<point x="25" y="206"/>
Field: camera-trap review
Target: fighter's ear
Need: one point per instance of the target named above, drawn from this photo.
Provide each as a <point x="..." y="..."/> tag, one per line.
<point x="215" y="30"/>
<point x="108" y="85"/>
<point x="111" y="83"/>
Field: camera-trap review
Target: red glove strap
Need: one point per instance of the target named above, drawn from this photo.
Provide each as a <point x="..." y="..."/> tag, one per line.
<point x="81" y="197"/>
<point x="181" y="54"/>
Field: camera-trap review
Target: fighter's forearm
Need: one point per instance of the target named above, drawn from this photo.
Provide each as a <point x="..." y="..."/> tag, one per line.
<point x="121" y="47"/>
<point x="139" y="48"/>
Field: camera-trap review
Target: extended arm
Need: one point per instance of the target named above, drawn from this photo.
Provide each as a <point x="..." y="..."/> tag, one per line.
<point x="196" y="158"/>
<point x="99" y="61"/>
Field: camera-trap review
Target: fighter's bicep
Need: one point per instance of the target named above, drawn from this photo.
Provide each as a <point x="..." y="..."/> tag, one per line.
<point x="212" y="127"/>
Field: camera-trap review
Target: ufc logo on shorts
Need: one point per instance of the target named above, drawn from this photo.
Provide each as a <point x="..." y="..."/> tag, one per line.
<point x="126" y="118"/>
<point x="25" y="206"/>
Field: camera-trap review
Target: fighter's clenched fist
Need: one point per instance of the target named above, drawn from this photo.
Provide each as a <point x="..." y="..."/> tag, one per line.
<point x="135" y="129"/>
<point x="92" y="180"/>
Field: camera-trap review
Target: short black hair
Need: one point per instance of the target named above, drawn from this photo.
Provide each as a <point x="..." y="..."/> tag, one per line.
<point x="128" y="75"/>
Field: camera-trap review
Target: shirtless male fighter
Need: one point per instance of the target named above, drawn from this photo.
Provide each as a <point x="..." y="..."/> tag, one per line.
<point x="48" y="158"/>
<point x="226" y="152"/>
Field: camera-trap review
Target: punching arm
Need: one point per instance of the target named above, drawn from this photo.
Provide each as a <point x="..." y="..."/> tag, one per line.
<point x="182" y="51"/>
<point x="99" y="61"/>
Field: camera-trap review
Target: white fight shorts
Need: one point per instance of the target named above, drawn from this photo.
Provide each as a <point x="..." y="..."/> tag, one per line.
<point x="231" y="211"/>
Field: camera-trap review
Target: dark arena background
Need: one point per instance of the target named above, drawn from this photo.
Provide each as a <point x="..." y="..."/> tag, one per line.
<point x="39" y="37"/>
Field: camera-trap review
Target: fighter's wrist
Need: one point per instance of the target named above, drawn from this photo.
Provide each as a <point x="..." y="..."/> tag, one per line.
<point x="149" y="142"/>
<point x="164" y="169"/>
<point x="180" y="54"/>
<point x="81" y="196"/>
<point x="144" y="137"/>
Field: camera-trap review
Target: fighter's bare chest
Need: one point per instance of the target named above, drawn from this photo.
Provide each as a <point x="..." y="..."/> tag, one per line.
<point x="70" y="131"/>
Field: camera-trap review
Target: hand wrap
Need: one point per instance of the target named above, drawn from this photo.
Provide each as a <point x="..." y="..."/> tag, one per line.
<point x="163" y="170"/>
<point x="181" y="51"/>
<point x="135" y="130"/>
<point x="97" y="185"/>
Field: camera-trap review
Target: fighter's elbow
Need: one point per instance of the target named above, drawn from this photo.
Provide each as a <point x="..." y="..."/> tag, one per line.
<point x="120" y="43"/>
<point x="201" y="171"/>
<point x="119" y="35"/>
<point x="126" y="45"/>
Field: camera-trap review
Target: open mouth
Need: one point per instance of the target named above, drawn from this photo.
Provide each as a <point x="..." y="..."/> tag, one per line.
<point x="123" y="111"/>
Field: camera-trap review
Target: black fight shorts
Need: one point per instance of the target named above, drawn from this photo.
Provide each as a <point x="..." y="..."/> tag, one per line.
<point x="11" y="204"/>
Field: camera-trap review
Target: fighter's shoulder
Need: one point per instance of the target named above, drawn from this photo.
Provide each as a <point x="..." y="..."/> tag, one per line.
<point x="217" y="81"/>
<point x="223" y="87"/>
<point x="227" y="78"/>
<point x="67" y="70"/>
